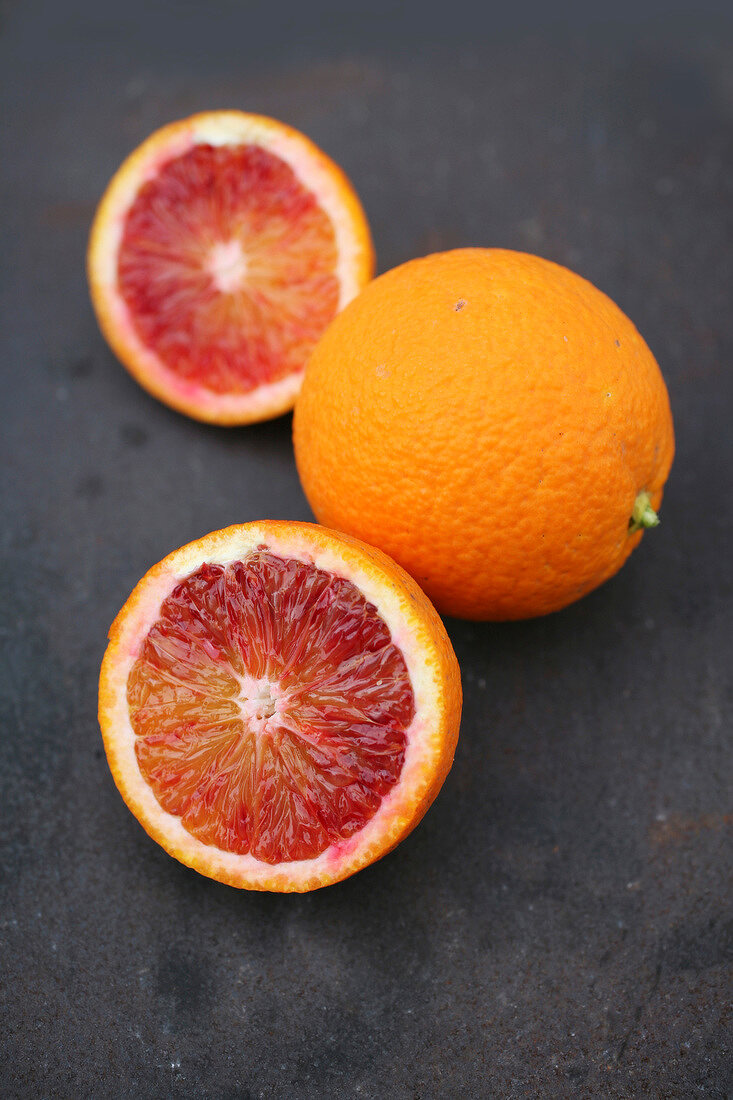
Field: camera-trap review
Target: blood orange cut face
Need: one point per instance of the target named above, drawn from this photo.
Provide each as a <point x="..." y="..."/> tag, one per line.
<point x="221" y="251"/>
<point x="279" y="705"/>
<point x="270" y="707"/>
<point x="228" y="267"/>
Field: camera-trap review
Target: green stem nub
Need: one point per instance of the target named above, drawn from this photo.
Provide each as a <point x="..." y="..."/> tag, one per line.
<point x="642" y="514"/>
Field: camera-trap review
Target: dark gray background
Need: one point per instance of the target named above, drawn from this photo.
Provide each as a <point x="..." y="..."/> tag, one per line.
<point x="558" y="925"/>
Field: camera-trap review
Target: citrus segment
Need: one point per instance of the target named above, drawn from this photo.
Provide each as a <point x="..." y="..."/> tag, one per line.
<point x="270" y="707"/>
<point x="228" y="267"/>
<point x="279" y="705"/>
<point x="221" y="251"/>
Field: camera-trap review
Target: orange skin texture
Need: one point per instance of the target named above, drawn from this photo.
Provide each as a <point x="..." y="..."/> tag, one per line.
<point x="428" y="637"/>
<point x="488" y="419"/>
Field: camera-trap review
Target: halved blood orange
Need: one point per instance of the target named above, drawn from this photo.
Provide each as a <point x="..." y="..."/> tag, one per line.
<point x="221" y="250"/>
<point x="279" y="704"/>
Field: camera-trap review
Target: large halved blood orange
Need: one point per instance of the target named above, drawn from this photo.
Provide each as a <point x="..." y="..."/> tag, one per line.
<point x="221" y="250"/>
<point x="279" y="704"/>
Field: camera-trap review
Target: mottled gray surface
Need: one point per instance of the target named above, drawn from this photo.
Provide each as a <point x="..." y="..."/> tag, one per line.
<point x="558" y="925"/>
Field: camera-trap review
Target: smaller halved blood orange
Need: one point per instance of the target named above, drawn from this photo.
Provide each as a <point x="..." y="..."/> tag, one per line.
<point x="280" y="705"/>
<point x="220" y="252"/>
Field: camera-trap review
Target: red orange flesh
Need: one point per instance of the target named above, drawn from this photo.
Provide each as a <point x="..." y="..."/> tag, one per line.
<point x="220" y="252"/>
<point x="270" y="707"/>
<point x="286" y="704"/>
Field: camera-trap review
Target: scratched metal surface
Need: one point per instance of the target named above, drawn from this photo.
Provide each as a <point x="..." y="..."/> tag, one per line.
<point x="559" y="925"/>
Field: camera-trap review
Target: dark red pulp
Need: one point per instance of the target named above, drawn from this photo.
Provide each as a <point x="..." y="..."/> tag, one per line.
<point x="277" y="291"/>
<point x="270" y="707"/>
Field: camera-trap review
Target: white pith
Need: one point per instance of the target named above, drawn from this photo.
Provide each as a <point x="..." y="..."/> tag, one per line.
<point x="423" y="737"/>
<point x="313" y="171"/>
<point x="259" y="702"/>
<point x="227" y="265"/>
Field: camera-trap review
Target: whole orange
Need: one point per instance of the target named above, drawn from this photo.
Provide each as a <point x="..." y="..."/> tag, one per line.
<point x="493" y="422"/>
